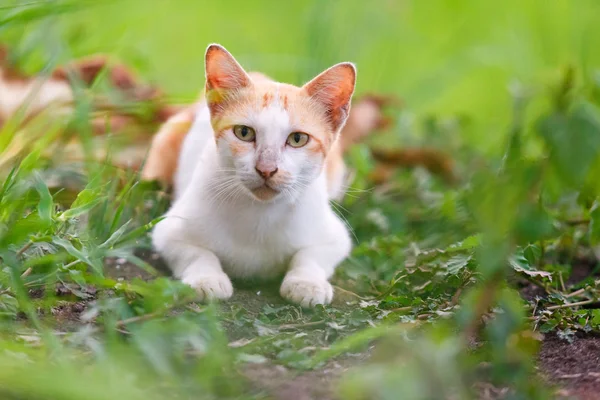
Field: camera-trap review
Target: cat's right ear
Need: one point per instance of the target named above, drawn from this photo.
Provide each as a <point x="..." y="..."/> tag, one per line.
<point x="223" y="72"/>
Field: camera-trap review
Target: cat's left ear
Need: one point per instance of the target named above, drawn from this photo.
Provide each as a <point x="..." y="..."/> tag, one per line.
<point x="223" y="72"/>
<point x="333" y="89"/>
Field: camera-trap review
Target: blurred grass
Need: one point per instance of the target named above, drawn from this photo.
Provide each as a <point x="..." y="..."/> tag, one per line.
<point x="442" y="57"/>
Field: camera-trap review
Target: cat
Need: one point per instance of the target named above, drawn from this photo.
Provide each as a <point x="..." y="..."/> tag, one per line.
<point x="253" y="182"/>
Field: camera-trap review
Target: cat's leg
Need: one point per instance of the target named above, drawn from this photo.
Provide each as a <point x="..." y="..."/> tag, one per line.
<point x="306" y="282"/>
<point x="196" y="266"/>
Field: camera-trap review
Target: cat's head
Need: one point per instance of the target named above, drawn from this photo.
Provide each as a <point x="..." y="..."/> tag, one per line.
<point x="272" y="137"/>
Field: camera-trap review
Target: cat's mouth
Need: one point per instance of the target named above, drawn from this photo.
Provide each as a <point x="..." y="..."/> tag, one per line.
<point x="264" y="192"/>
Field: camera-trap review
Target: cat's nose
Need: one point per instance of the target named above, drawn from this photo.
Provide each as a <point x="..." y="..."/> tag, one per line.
<point x="266" y="172"/>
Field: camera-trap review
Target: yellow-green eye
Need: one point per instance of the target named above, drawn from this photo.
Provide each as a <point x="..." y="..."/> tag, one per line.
<point x="297" y="139"/>
<point x="244" y="133"/>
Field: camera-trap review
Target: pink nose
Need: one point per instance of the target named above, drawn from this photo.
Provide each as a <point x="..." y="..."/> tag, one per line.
<point x="266" y="173"/>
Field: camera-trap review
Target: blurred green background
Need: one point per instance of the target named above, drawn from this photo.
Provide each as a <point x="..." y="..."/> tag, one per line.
<point x="443" y="57"/>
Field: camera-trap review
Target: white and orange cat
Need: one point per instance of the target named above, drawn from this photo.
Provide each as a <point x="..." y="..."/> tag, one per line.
<point x="253" y="182"/>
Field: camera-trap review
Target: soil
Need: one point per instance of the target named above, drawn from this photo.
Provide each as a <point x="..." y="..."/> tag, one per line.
<point x="280" y="383"/>
<point x="574" y="366"/>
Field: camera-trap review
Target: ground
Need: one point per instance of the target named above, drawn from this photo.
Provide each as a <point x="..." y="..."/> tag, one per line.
<point x="571" y="365"/>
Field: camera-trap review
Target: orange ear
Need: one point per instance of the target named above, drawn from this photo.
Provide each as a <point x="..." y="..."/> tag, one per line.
<point x="333" y="89"/>
<point x="223" y="71"/>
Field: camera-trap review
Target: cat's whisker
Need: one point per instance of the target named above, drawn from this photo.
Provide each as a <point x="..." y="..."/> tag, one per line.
<point x="220" y="188"/>
<point x="340" y="206"/>
<point x="335" y="206"/>
<point x="230" y="229"/>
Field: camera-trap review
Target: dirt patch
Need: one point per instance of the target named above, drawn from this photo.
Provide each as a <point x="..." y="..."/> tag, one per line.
<point x="530" y="292"/>
<point x="574" y="366"/>
<point x="279" y="383"/>
<point x="121" y="269"/>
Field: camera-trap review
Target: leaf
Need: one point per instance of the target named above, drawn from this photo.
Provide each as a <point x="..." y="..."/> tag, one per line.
<point x="263" y="330"/>
<point x="115" y="236"/>
<point x="533" y="223"/>
<point x="79" y="254"/>
<point x="462" y="248"/>
<point x="519" y="263"/>
<point x="87" y="199"/>
<point x="9" y="181"/>
<point x="252" y="358"/>
<point x="573" y="140"/>
<point x="46" y="204"/>
<point x="595" y="223"/>
<point x="468" y="243"/>
<point x="25" y="227"/>
<point x="457" y="262"/>
<point x="596" y="317"/>
<point x="139" y="231"/>
<point x="123" y="199"/>
<point x="532" y="253"/>
<point x="77" y="277"/>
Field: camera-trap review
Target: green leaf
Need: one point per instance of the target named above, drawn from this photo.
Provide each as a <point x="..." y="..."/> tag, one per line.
<point x="457" y="263"/>
<point x="533" y="223"/>
<point x="24" y="227"/>
<point x="68" y="246"/>
<point x="139" y="231"/>
<point x="595" y="223"/>
<point x="114" y="238"/>
<point x="574" y="141"/>
<point x="532" y="253"/>
<point x="519" y="263"/>
<point x="85" y="201"/>
<point x="77" y="277"/>
<point x="46" y="204"/>
<point x="468" y="243"/>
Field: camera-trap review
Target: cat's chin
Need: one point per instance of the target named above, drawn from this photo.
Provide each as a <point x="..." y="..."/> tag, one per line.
<point x="264" y="193"/>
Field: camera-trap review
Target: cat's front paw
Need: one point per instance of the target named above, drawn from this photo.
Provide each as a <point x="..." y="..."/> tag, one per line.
<point x="210" y="287"/>
<point x="306" y="292"/>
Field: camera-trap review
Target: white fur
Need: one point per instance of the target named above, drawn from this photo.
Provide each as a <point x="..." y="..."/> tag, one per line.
<point x="216" y="228"/>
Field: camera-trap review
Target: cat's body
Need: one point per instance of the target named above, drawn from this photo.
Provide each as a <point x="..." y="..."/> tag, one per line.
<point x="250" y="238"/>
<point x="253" y="184"/>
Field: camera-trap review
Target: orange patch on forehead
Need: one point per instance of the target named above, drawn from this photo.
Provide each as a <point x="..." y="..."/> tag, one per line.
<point x="284" y="101"/>
<point x="267" y="97"/>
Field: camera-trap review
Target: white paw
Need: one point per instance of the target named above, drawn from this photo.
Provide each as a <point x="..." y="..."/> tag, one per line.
<point x="210" y="287"/>
<point x="306" y="292"/>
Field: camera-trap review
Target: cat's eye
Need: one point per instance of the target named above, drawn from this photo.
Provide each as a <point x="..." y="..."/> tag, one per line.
<point x="244" y="133"/>
<point x="297" y="139"/>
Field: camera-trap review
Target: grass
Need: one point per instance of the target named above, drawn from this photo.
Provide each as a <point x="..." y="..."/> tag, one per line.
<point x="510" y="90"/>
